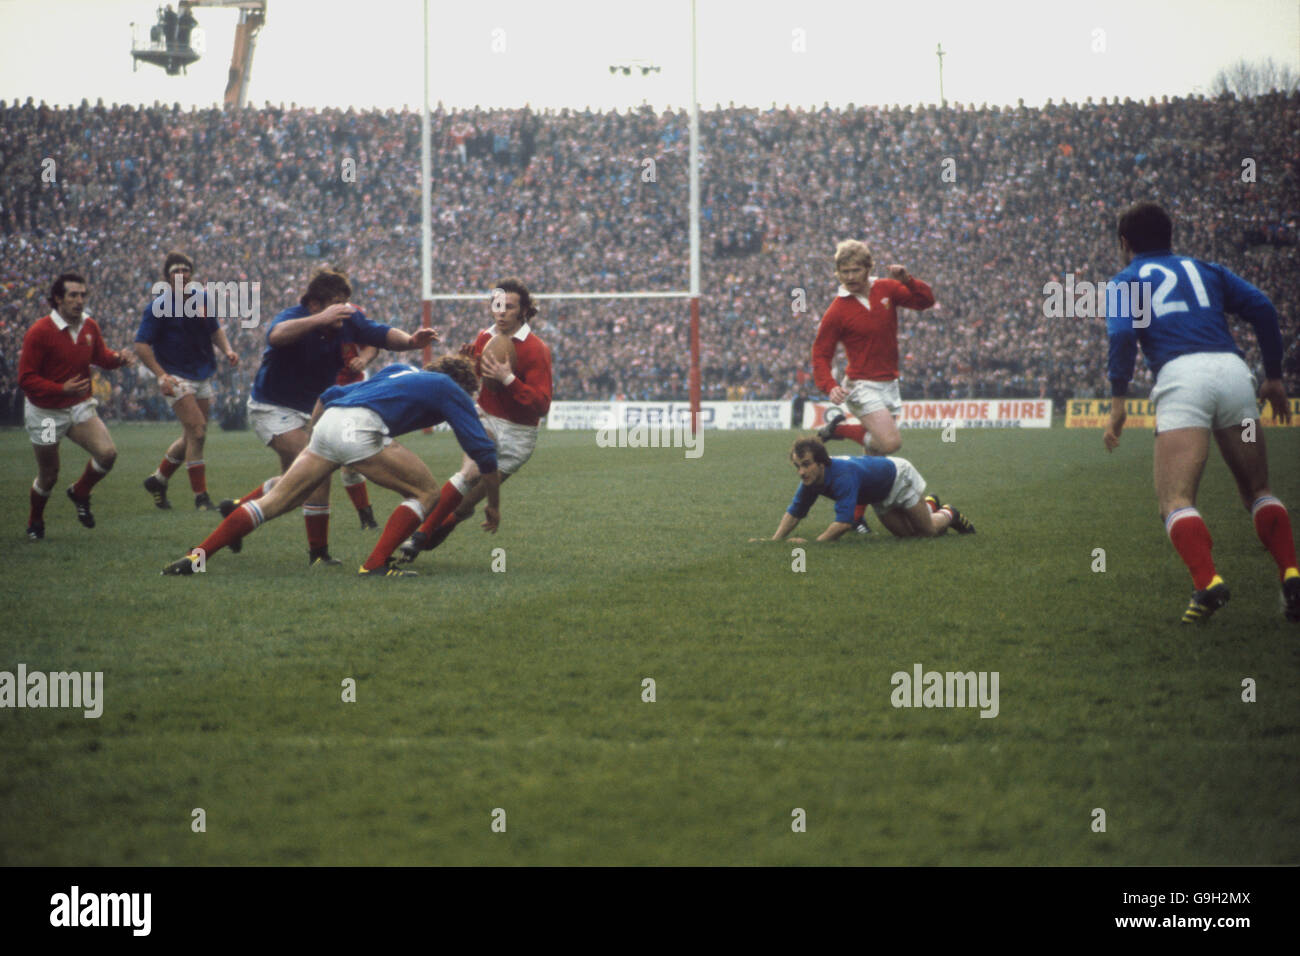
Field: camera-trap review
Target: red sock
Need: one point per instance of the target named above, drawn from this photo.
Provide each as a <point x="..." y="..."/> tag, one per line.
<point x="858" y="512"/>
<point x="167" y="467"/>
<point x="38" y="506"/>
<point x="257" y="492"/>
<point x="89" y="479"/>
<point x="359" y="495"/>
<point x="241" y="522"/>
<point x="198" y="477"/>
<point x="404" y="519"/>
<point x="1191" y="539"/>
<point x="1273" y="525"/>
<point x="318" y="526"/>
<point x="447" y="502"/>
<point x="856" y="433"/>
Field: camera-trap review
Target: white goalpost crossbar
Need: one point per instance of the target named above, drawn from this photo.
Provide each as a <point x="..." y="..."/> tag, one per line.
<point x="693" y="294"/>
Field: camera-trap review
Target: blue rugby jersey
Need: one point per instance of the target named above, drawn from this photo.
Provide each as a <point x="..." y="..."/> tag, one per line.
<point x="182" y="344"/>
<point x="408" y="399"/>
<point x="1188" y="299"/>
<point x="864" y="480"/>
<point x="294" y="375"/>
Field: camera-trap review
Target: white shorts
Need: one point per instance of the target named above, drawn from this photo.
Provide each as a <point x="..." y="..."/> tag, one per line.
<point x="866" y="397"/>
<point x="345" y="435"/>
<point x="907" y="490"/>
<point x="187" y="386"/>
<point x="271" y="420"/>
<point x="1204" y="390"/>
<point x="515" y="443"/>
<point x="47" y="426"/>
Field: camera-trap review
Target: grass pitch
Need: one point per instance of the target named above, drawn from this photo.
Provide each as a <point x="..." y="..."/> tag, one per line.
<point x="522" y="690"/>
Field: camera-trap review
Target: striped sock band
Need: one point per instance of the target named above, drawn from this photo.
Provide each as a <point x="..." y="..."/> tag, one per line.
<point x="1177" y="515"/>
<point x="254" y="512"/>
<point x="1263" y="501"/>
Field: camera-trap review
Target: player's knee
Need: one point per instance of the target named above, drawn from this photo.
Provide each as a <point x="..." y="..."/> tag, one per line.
<point x="196" y="431"/>
<point x="887" y="444"/>
<point x="106" y="459"/>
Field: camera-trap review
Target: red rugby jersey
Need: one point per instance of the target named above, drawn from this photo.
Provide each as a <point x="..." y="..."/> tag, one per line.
<point x="869" y="330"/>
<point x="346" y="375"/>
<point x="525" y="400"/>
<point x="51" y="357"/>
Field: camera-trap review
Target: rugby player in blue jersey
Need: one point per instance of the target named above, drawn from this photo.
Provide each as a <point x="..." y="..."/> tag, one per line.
<point x="303" y="356"/>
<point x="177" y="348"/>
<point x="355" y="425"/>
<point x="1203" y="387"/>
<point x="891" y="485"/>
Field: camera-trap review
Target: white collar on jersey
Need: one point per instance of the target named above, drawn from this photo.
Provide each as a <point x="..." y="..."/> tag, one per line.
<point x="845" y="293"/>
<point x="521" y="333"/>
<point x="61" y="323"/>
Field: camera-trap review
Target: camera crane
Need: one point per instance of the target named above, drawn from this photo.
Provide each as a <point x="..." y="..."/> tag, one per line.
<point x="170" y="47"/>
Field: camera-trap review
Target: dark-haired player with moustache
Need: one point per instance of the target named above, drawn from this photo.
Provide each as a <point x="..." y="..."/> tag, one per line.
<point x="177" y="348"/>
<point x="54" y="374"/>
<point x="303" y="357"/>
<point x="864" y="316"/>
<point x="354" y="425"/>
<point x="1203" y="388"/>
<point x="511" y="404"/>
<point x="890" y="485"/>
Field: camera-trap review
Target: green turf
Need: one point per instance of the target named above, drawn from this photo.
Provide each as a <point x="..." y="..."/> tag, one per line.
<point x="522" y="690"/>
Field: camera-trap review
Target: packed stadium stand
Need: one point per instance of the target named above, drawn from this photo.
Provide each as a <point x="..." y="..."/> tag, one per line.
<point x="565" y="200"/>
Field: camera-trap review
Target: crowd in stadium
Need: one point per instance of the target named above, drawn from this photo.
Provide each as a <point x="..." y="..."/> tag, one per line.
<point x="985" y="204"/>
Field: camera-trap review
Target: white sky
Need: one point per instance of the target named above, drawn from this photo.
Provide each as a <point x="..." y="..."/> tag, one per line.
<point x="557" y="52"/>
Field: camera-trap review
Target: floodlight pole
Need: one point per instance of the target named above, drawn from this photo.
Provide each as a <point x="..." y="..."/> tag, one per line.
<point x="695" y="238"/>
<point x="939" y="53"/>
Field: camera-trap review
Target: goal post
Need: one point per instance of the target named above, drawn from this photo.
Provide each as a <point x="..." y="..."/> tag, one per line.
<point x="428" y="297"/>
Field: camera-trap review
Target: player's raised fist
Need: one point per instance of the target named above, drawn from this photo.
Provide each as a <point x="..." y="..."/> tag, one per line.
<point x="900" y="274"/>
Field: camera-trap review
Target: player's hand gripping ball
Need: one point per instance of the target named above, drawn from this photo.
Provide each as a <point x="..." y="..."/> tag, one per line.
<point x="502" y="349"/>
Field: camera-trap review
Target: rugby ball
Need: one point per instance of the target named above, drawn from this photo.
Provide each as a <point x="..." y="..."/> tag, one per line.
<point x="502" y="348"/>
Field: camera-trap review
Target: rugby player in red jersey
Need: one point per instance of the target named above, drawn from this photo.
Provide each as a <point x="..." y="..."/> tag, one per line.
<point x="54" y="374"/>
<point x="864" y="316"/>
<point x="510" y="411"/>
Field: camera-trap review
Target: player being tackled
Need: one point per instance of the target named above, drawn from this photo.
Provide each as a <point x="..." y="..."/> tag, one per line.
<point x="515" y="366"/>
<point x="354" y="425"/>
